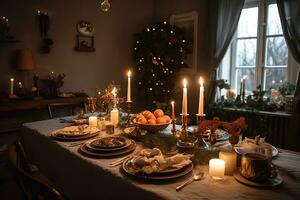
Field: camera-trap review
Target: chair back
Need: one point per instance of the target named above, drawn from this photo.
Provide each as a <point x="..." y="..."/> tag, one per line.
<point x="33" y="188"/>
<point x="70" y="105"/>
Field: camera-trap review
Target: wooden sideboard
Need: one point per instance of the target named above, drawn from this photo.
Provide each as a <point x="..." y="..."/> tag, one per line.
<point x="14" y="114"/>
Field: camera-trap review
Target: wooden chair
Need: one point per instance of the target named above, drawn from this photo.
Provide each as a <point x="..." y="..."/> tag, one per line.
<point x="65" y="104"/>
<point x="34" y="188"/>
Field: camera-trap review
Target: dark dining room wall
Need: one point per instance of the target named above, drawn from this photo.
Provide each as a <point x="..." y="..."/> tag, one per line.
<point x="84" y="71"/>
<point x="163" y="9"/>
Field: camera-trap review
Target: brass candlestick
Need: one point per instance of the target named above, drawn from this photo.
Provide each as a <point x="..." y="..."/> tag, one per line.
<point x="173" y="126"/>
<point x="128" y="113"/>
<point x="184" y="132"/>
<point x="201" y="142"/>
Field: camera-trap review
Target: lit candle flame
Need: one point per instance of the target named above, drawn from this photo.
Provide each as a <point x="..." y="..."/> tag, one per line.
<point x="114" y="91"/>
<point x="184" y="82"/>
<point x="172" y="103"/>
<point x="11" y="79"/>
<point x="129" y="73"/>
<point x="201" y="81"/>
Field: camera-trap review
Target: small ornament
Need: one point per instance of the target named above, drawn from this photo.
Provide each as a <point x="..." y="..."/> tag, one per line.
<point x="230" y="94"/>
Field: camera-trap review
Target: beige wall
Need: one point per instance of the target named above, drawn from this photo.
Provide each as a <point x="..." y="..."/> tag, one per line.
<point x="113" y="39"/>
<point x="85" y="71"/>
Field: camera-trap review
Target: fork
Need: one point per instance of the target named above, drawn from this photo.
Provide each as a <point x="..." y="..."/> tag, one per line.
<point x="120" y="161"/>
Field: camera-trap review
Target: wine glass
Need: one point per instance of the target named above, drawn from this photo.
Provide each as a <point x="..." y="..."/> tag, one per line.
<point x="91" y="104"/>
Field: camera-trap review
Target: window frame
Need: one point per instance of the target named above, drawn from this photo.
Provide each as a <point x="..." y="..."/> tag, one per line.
<point x="261" y="43"/>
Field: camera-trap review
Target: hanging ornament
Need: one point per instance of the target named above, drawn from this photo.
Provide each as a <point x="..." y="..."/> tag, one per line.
<point x="105" y="5"/>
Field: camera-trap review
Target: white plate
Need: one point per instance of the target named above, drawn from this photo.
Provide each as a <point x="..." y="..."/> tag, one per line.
<point x="241" y="151"/>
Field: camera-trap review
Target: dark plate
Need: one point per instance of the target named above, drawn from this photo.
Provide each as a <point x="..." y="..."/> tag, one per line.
<point x="83" y="137"/>
<point x="96" y="144"/>
<point x="98" y="149"/>
<point x="269" y="183"/>
<point x="223" y="137"/>
<point x="127" y="150"/>
<point x="162" y="175"/>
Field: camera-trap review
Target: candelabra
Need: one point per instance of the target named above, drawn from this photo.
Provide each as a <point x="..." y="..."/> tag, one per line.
<point x="184" y="132"/>
<point x="174" y="127"/>
<point x="201" y="142"/>
<point x="129" y="103"/>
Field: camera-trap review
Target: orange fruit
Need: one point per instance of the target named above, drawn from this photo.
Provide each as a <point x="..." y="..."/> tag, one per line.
<point x="146" y="112"/>
<point x="142" y="120"/>
<point x="167" y="118"/>
<point x="138" y="117"/>
<point x="150" y="116"/>
<point x="151" y="121"/>
<point x="158" y="113"/>
<point x="161" y="120"/>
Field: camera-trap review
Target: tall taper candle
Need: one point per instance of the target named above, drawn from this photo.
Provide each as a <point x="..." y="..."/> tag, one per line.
<point x="184" y="98"/>
<point x="244" y="85"/>
<point x="12" y="86"/>
<point x="173" y="109"/>
<point x="129" y="86"/>
<point x="114" y="92"/>
<point x="241" y="87"/>
<point x="244" y="82"/>
<point x="201" y="98"/>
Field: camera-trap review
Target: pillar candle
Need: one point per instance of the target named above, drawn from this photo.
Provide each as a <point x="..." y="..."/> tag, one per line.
<point x="173" y="109"/>
<point x="184" y="98"/>
<point x="129" y="87"/>
<point x="93" y="121"/>
<point x="230" y="161"/>
<point x="201" y="98"/>
<point x="114" y="117"/>
<point x="216" y="168"/>
<point x="12" y="86"/>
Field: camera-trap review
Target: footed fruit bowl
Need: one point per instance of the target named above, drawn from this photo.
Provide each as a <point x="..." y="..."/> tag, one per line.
<point x="152" y="122"/>
<point x="152" y="127"/>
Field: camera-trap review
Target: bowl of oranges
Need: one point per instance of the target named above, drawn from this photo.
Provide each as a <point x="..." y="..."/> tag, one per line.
<point x="152" y="121"/>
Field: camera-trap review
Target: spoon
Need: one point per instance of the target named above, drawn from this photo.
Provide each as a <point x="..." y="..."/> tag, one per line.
<point x="196" y="177"/>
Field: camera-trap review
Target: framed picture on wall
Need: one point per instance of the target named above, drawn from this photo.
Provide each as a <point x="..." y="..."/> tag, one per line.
<point x="189" y="23"/>
<point x="84" y="43"/>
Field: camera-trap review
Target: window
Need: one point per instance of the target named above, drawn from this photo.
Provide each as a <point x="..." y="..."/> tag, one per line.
<point x="258" y="50"/>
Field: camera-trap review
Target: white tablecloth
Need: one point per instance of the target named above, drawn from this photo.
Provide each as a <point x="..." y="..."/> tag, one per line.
<point x="81" y="177"/>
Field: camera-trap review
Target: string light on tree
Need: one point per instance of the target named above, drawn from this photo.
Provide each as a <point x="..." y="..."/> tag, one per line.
<point x="159" y="52"/>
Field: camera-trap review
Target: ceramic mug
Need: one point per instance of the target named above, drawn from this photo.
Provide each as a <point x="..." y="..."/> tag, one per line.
<point x="255" y="167"/>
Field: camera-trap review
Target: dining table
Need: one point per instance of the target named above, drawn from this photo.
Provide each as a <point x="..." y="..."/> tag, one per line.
<point x="81" y="177"/>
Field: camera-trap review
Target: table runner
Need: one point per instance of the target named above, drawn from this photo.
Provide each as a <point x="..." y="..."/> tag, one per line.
<point x="81" y="177"/>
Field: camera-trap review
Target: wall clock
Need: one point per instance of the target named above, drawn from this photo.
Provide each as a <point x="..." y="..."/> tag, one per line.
<point x="85" y="28"/>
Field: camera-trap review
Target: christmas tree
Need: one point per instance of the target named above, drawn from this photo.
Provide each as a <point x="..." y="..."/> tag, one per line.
<point x="159" y="53"/>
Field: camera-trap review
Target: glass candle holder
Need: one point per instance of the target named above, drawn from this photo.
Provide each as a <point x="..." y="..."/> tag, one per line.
<point x="217" y="168"/>
<point x="93" y="121"/>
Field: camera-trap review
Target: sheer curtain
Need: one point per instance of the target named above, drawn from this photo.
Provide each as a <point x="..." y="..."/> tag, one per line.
<point x="289" y="11"/>
<point x="225" y="16"/>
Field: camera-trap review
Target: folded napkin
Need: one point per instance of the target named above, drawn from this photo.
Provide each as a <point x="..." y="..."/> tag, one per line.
<point x="257" y="145"/>
<point x="152" y="160"/>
